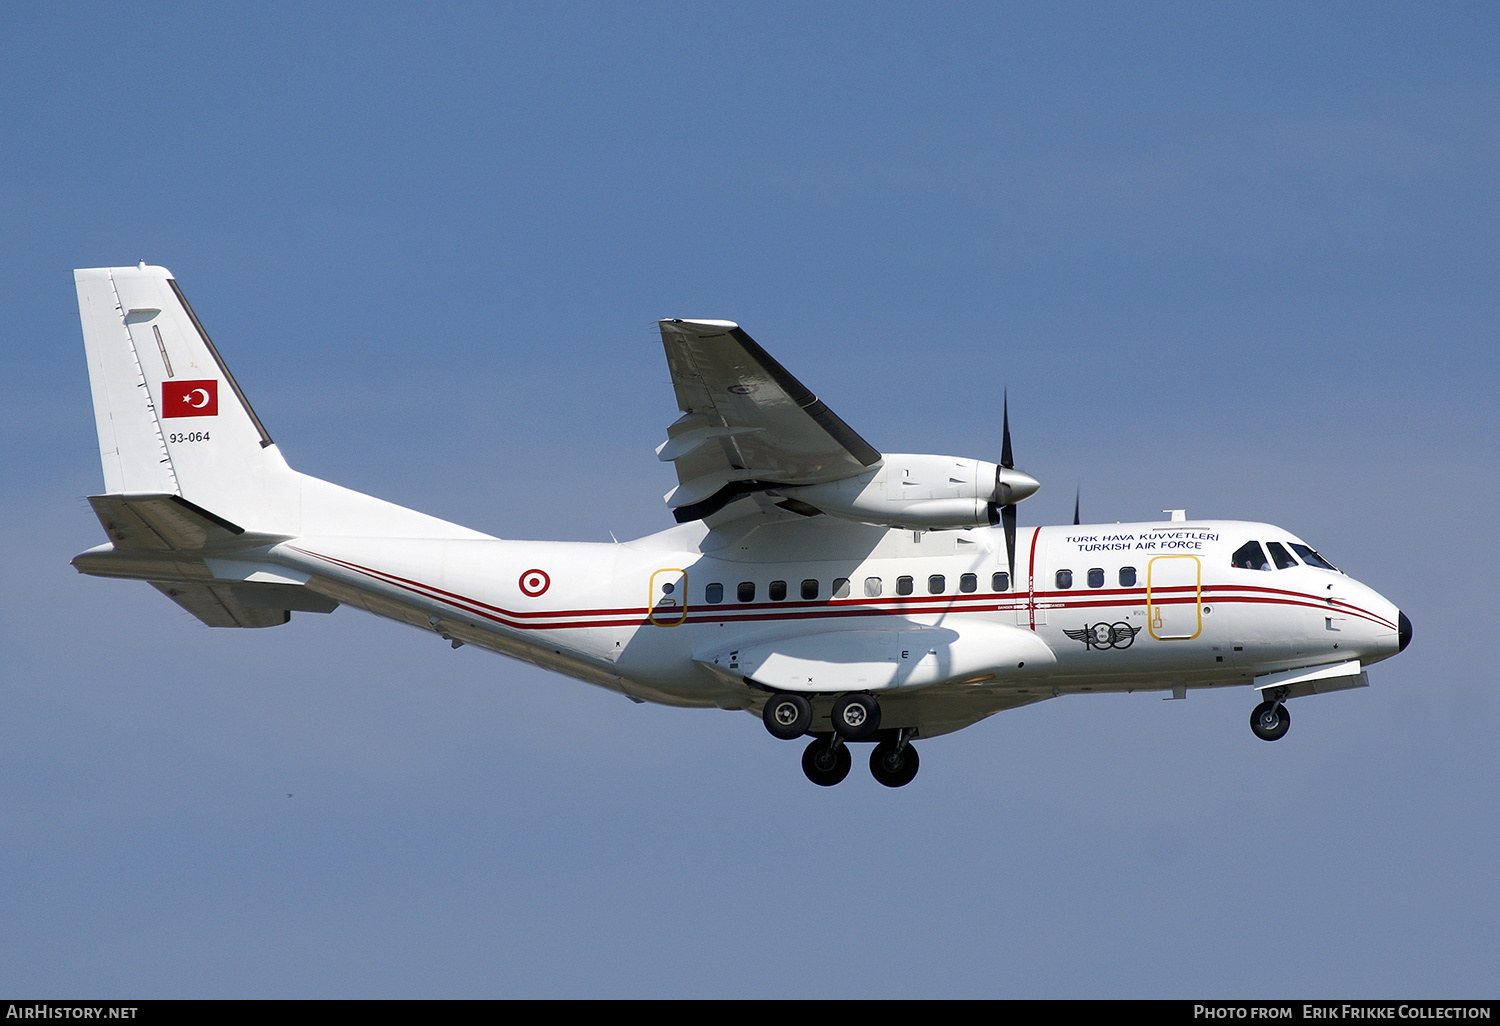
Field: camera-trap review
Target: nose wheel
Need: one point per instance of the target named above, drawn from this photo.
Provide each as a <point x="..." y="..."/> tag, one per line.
<point x="1270" y="721"/>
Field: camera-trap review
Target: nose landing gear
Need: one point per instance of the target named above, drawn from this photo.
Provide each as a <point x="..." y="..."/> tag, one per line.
<point x="1270" y="721"/>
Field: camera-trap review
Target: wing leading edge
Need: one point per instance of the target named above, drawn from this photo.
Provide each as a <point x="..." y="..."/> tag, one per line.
<point x="747" y="424"/>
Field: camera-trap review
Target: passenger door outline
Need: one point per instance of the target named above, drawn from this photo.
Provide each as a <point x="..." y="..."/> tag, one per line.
<point x="668" y="608"/>
<point x="1172" y="619"/>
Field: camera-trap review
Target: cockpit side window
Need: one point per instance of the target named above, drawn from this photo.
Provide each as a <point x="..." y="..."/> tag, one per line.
<point x="1282" y="557"/>
<point x="1311" y="558"/>
<point x="1250" y="556"/>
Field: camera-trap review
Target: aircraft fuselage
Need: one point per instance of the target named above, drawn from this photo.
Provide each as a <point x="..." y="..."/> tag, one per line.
<point x="1117" y="607"/>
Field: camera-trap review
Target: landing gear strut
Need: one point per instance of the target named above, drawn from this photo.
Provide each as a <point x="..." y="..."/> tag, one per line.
<point x="826" y="761"/>
<point x="1270" y="721"/>
<point x="894" y="763"/>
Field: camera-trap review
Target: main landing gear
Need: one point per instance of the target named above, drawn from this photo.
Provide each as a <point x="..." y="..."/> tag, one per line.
<point x="894" y="763"/>
<point x="787" y="715"/>
<point x="855" y="717"/>
<point x="827" y="760"/>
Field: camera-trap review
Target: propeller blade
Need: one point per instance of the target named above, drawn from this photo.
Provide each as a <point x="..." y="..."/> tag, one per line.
<point x="1006" y="460"/>
<point x="1076" y="496"/>
<point x="1008" y="518"/>
<point x="1005" y="496"/>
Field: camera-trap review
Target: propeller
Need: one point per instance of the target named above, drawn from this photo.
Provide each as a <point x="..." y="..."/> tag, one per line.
<point x="1011" y="486"/>
<point x="1076" y="496"/>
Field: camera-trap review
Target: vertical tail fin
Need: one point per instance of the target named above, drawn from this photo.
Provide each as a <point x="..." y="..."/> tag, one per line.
<point x="171" y="418"/>
<point x="172" y="421"/>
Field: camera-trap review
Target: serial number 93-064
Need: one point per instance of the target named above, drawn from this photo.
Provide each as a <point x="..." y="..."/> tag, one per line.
<point x="188" y="436"/>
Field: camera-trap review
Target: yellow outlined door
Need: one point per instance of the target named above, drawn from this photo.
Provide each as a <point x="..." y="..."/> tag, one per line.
<point x="668" y="597"/>
<point x="1174" y="593"/>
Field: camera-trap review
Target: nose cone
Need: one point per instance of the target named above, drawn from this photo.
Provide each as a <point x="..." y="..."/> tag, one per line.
<point x="1403" y="631"/>
<point x="1015" y="485"/>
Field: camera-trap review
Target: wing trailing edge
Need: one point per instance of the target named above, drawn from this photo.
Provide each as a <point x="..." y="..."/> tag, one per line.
<point x="747" y="425"/>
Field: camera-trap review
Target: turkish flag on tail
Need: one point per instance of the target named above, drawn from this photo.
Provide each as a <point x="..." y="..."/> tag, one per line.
<point x="190" y="398"/>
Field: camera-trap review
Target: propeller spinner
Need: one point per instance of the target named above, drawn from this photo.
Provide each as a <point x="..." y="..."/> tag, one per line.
<point x="1011" y="486"/>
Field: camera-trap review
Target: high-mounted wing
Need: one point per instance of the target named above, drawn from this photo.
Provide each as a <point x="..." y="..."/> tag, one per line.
<point x="747" y="424"/>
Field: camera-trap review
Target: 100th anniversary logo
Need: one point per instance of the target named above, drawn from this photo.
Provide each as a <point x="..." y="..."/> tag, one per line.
<point x="1105" y="635"/>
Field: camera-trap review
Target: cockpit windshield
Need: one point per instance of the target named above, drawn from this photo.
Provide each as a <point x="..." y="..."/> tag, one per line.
<point x="1311" y="558"/>
<point x="1283" y="558"/>
<point x="1250" y="556"/>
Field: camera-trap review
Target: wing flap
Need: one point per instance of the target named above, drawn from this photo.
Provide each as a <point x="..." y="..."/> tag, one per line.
<point x="747" y="424"/>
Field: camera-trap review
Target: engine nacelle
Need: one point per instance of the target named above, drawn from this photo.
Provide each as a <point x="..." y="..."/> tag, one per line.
<point x="918" y="492"/>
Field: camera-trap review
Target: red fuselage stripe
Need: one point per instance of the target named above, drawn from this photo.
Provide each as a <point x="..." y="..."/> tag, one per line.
<point x="557" y="619"/>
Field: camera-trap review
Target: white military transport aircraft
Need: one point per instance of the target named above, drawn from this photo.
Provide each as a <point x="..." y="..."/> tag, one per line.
<point x="841" y="593"/>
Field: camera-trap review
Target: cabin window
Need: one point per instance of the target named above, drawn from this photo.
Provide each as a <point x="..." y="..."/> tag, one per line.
<point x="713" y="594"/>
<point x="841" y="588"/>
<point x="937" y="584"/>
<point x="777" y="591"/>
<point x="809" y="589"/>
<point x="1311" y="558"/>
<point x="1064" y="579"/>
<point x="1096" y="577"/>
<point x="1000" y="581"/>
<point x="1281" y="556"/>
<point x="903" y="586"/>
<point x="746" y="592"/>
<point x="968" y="583"/>
<point x="1250" y="556"/>
<point x="872" y="587"/>
<point x="1127" y="577"/>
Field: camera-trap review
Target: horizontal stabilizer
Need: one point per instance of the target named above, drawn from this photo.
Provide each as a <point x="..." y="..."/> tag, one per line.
<point x="197" y="559"/>
<point x="160" y="523"/>
<point x="218" y="606"/>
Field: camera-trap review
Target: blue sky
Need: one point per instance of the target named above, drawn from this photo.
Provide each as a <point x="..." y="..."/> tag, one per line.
<point x="1235" y="258"/>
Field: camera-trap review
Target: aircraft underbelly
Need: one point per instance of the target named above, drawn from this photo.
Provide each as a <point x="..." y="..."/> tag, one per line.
<point x="912" y="656"/>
